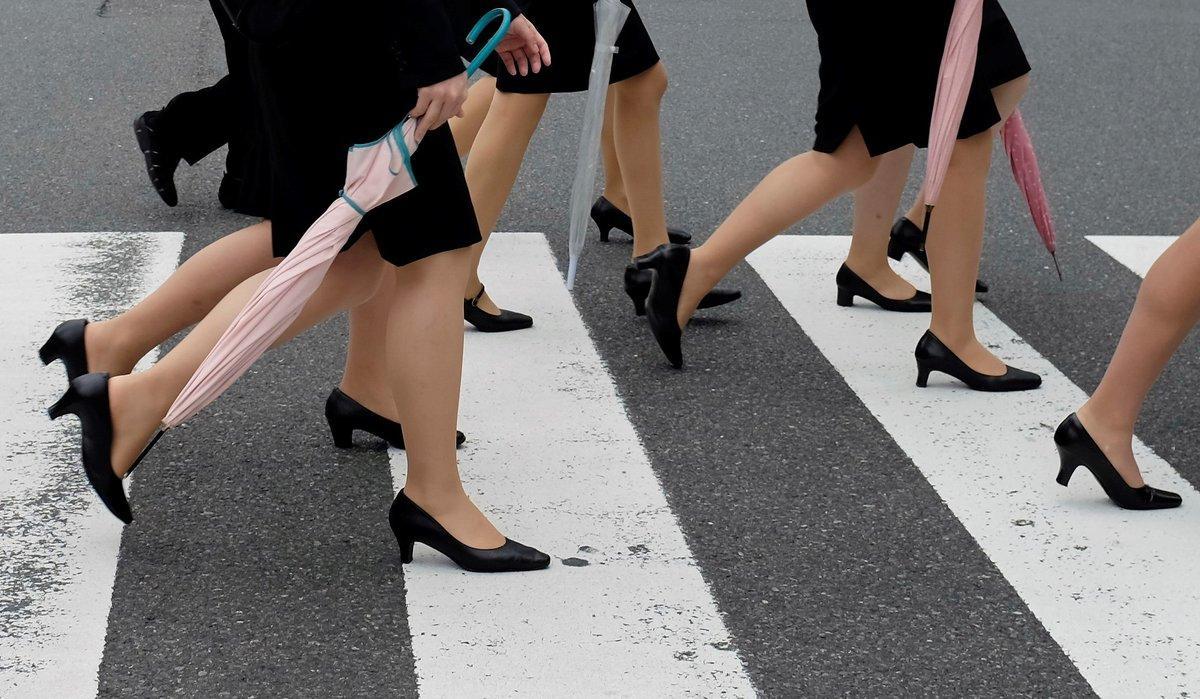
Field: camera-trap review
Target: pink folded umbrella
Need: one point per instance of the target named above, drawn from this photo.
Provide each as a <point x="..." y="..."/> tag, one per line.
<point x="376" y="173"/>
<point x="1021" y="155"/>
<point x="950" y="101"/>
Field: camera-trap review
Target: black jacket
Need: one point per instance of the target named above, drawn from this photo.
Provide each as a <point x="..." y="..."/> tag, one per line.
<point x="427" y="35"/>
<point x="326" y="75"/>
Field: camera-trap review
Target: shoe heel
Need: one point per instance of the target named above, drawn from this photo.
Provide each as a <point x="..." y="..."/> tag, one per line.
<point x="639" y="307"/>
<point x="343" y="433"/>
<point x="1067" y="469"/>
<point x="895" y="250"/>
<point x="64" y="405"/>
<point x="604" y="234"/>
<point x="845" y="297"/>
<point x="52" y="350"/>
<point x="406" y="549"/>
<point x="923" y="376"/>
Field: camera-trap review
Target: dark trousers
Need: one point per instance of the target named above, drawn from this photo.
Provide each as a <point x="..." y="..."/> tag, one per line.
<point x="199" y="122"/>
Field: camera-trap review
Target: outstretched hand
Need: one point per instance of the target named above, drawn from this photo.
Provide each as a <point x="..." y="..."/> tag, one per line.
<point x="523" y="49"/>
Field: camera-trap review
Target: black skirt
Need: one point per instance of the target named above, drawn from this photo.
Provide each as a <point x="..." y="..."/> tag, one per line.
<point x="569" y="27"/>
<point x="879" y="68"/>
<point x="312" y="110"/>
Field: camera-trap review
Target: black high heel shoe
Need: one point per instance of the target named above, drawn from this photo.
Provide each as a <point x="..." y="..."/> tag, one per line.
<point x="933" y="355"/>
<point x="411" y="525"/>
<point x="637" y="286"/>
<point x="1077" y="448"/>
<point x="161" y="160"/>
<point x="607" y="217"/>
<point x="66" y="343"/>
<point x="345" y="415"/>
<point x="87" y="397"/>
<point x="483" y="321"/>
<point x="907" y="237"/>
<point x="849" y="285"/>
<point x="669" y="264"/>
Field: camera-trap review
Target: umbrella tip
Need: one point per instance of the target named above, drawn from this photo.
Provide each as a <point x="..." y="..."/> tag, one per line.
<point x="928" y="215"/>
<point x="1057" y="268"/>
<point x="572" y="268"/>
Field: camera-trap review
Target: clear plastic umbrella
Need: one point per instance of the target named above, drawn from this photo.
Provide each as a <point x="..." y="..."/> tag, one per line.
<point x="610" y="18"/>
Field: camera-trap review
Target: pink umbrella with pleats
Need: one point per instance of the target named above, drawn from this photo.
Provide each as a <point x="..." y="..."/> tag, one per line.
<point x="1028" y="175"/>
<point x="955" y="76"/>
<point x="950" y="101"/>
<point x="376" y="173"/>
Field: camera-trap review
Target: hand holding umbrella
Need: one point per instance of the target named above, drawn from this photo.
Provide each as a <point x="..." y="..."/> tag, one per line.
<point x="376" y="172"/>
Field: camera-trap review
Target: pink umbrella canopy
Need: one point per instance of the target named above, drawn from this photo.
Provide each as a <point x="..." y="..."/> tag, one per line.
<point x="950" y="101"/>
<point x="376" y="173"/>
<point x="1028" y="175"/>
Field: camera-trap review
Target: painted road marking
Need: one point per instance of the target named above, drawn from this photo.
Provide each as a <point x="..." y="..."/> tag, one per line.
<point x="1115" y="589"/>
<point x="552" y="456"/>
<point x="1137" y="252"/>
<point x="58" y="545"/>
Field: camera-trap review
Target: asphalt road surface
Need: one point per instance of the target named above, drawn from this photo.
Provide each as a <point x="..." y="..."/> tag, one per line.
<point x="789" y="516"/>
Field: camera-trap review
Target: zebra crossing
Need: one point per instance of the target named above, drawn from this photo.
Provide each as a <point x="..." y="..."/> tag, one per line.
<point x="553" y="456"/>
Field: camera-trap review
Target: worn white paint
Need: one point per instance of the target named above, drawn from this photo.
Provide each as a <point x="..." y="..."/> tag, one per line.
<point x="58" y="544"/>
<point x="554" y="460"/>
<point x="1116" y="589"/>
<point x="1137" y="252"/>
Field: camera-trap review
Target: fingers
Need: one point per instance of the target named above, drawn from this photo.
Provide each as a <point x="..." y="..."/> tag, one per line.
<point x="507" y="60"/>
<point x="422" y="106"/>
<point x="522" y="61"/>
<point x="430" y="119"/>
<point x="543" y="50"/>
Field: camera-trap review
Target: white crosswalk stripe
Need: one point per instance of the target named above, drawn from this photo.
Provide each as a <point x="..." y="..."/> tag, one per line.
<point x="1137" y="252"/>
<point x="624" y="609"/>
<point x="58" y="545"/>
<point x="1114" y="588"/>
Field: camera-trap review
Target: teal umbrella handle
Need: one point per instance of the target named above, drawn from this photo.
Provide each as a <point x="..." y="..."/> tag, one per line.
<point x="505" y="20"/>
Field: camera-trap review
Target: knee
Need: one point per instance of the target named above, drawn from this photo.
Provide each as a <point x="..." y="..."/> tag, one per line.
<point x="852" y="171"/>
<point x="648" y="87"/>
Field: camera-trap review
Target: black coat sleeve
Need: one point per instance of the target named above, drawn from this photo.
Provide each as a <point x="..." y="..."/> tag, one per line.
<point x="425" y="32"/>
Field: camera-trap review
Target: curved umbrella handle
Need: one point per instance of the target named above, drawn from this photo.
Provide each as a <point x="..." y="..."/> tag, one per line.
<point x="505" y="20"/>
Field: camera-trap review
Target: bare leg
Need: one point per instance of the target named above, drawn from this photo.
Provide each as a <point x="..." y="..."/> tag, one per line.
<point x="493" y="167"/>
<point x="139" y="401"/>
<point x="466" y="127"/>
<point x="425" y="347"/>
<point x="639" y="151"/>
<point x="115" y="345"/>
<point x="956" y="240"/>
<point x="874" y="209"/>
<point x="614" y="183"/>
<point x="367" y="358"/>
<point x="791" y="192"/>
<point x="954" y="245"/>
<point x="1167" y="308"/>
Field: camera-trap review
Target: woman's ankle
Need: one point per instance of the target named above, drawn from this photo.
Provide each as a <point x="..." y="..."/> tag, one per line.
<point x="378" y="402"/>
<point x="1102" y="423"/>
<point x="108" y="349"/>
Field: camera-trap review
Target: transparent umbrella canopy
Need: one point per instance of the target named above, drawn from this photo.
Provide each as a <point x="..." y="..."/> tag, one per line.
<point x="610" y="18"/>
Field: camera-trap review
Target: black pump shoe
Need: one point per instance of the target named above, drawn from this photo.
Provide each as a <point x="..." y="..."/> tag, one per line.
<point x="66" y="343"/>
<point x="933" y="355"/>
<point x="669" y="264"/>
<point x="849" y="285"/>
<point x="1077" y="448"/>
<point x="607" y="217"/>
<point x="161" y="160"/>
<point x="345" y="415"/>
<point x="637" y="286"/>
<point x="411" y="525"/>
<point x="483" y="321"/>
<point x="907" y="237"/>
<point x="87" y="397"/>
